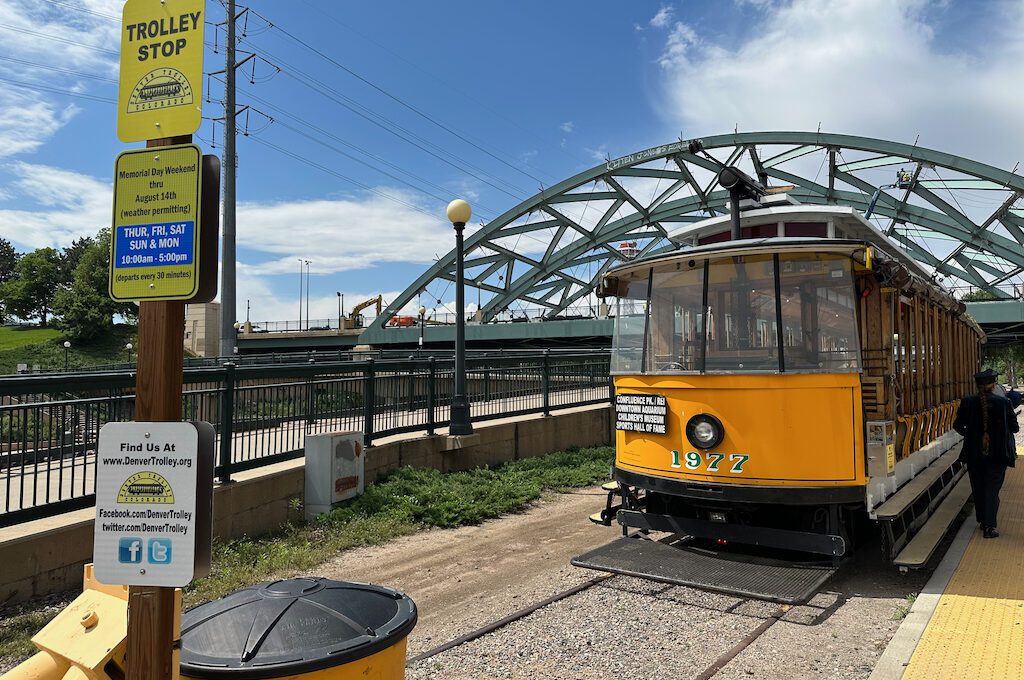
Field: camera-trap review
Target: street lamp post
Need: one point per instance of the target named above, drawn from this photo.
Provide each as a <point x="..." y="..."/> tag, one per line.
<point x="307" y="294"/>
<point x="300" y="294"/>
<point x="67" y="346"/>
<point x="128" y="347"/>
<point x="339" y="309"/>
<point x="459" y="213"/>
<point x="423" y="312"/>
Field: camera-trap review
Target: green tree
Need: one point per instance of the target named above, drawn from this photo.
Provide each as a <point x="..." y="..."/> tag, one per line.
<point x="980" y="295"/>
<point x="8" y="260"/>
<point x="1008" y="360"/>
<point x="37" y="277"/>
<point x="71" y="256"/>
<point x="85" y="309"/>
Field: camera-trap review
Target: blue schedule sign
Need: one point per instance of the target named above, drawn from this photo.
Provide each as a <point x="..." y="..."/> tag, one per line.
<point x="147" y="245"/>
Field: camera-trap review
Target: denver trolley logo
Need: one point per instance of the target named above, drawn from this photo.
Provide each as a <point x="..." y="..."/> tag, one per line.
<point x="146" y="488"/>
<point x="160" y="89"/>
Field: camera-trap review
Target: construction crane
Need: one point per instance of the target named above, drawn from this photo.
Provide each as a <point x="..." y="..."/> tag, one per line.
<point x="355" y="319"/>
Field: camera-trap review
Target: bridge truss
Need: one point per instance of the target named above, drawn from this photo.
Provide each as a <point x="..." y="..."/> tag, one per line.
<point x="963" y="220"/>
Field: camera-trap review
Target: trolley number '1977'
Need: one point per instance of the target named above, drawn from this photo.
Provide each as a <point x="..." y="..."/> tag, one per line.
<point x="694" y="460"/>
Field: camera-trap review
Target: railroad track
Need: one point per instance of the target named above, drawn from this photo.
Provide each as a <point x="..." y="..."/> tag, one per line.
<point x="707" y="674"/>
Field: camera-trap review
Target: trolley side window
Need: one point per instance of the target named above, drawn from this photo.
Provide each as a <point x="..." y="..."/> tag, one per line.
<point x="742" y="329"/>
<point x="630" y="324"/>
<point x="675" y="340"/>
<point x="819" y="322"/>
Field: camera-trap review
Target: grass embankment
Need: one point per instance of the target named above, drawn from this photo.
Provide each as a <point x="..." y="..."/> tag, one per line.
<point x="44" y="346"/>
<point x="406" y="501"/>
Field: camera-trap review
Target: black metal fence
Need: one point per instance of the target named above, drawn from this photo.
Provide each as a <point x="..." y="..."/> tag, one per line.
<point x="49" y="424"/>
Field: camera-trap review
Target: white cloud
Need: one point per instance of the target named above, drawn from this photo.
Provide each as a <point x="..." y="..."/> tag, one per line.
<point x="600" y="154"/>
<point x="270" y="302"/>
<point x="872" y="67"/>
<point x="341" y="234"/>
<point x="567" y="127"/>
<point x="29" y="118"/>
<point x="40" y="29"/>
<point x="71" y="205"/>
<point x="27" y="121"/>
<point x="663" y="18"/>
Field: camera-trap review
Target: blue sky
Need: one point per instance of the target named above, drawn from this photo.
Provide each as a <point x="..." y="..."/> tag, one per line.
<point x="533" y="91"/>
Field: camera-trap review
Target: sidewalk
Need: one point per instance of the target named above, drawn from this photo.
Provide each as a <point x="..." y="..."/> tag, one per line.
<point x="968" y="623"/>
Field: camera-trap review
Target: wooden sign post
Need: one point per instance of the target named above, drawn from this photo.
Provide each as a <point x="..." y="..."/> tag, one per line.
<point x="163" y="252"/>
<point x="154" y="622"/>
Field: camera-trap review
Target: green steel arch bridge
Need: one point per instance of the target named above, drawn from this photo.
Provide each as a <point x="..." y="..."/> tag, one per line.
<point x="541" y="260"/>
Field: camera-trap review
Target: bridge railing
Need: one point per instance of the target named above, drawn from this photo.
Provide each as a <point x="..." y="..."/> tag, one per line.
<point x="49" y="424"/>
<point x="433" y="317"/>
<point x="296" y="357"/>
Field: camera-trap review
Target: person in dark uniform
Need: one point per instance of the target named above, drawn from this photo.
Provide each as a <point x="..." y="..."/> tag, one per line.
<point x="987" y="422"/>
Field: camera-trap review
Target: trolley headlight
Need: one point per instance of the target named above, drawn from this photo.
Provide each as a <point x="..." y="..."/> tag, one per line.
<point x="705" y="431"/>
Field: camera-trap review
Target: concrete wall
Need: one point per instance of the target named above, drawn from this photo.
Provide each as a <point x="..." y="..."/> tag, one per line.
<point x="46" y="556"/>
<point x="202" y="329"/>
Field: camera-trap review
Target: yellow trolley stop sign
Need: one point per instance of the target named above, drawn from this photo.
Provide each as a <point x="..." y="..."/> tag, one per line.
<point x="161" y="80"/>
<point x="154" y="247"/>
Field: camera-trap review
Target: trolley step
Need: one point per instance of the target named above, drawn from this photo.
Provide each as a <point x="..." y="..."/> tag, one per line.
<point x="944" y="465"/>
<point x="736" y="574"/>
<point x="598" y="518"/>
<point x="908" y="511"/>
<point x="920" y="549"/>
<point x="610" y="486"/>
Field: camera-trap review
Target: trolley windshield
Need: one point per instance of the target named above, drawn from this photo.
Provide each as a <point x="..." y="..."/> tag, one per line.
<point x="762" y="313"/>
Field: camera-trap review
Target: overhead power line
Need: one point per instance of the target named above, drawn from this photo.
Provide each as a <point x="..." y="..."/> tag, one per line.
<point x="483" y="106"/>
<point x="391" y="126"/>
<point x="358" y="149"/>
<point x="329" y="171"/>
<point x="409" y="137"/>
<point x="22" y="29"/>
<point x="55" y="90"/>
<point x="58" y="69"/>
<point x="399" y="100"/>
<point x="86" y="10"/>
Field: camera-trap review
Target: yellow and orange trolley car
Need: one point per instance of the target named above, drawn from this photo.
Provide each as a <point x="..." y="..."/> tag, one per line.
<point x="787" y="372"/>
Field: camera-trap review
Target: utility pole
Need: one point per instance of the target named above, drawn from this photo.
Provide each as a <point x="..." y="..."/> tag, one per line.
<point x="227" y="286"/>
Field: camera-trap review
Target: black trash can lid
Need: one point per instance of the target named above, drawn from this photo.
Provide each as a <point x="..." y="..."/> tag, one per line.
<point x="284" y="628"/>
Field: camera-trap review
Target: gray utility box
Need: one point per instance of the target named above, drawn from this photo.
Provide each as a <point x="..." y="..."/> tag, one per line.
<point x="335" y="462"/>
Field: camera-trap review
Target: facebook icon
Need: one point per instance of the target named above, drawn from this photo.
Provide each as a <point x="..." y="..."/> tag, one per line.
<point x="159" y="551"/>
<point x="129" y="550"/>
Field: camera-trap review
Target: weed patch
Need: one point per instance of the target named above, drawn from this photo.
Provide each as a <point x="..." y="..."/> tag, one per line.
<point x="903" y="609"/>
<point x="405" y="501"/>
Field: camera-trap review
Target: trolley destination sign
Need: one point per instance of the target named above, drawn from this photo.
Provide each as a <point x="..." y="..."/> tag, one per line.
<point x="154" y="243"/>
<point x="160" y="85"/>
<point x="641" y="413"/>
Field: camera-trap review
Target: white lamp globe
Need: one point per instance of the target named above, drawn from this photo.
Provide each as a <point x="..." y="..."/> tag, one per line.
<point x="459" y="211"/>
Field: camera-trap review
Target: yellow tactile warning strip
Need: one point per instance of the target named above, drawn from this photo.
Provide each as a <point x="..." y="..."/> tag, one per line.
<point x="977" y="629"/>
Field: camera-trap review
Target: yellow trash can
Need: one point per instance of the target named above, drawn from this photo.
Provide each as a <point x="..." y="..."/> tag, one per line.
<point x="308" y="628"/>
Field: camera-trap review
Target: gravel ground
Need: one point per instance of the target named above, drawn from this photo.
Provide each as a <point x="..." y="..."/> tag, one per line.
<point x="462" y="579"/>
<point x="605" y="632"/>
<point x="657" y="631"/>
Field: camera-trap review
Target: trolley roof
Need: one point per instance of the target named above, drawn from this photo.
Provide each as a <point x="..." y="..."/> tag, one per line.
<point x="857" y="233"/>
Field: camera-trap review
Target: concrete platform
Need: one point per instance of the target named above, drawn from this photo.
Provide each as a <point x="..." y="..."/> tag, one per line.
<point x="969" y="620"/>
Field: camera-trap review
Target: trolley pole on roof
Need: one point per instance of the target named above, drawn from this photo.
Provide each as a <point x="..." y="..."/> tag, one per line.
<point x="227" y="286"/>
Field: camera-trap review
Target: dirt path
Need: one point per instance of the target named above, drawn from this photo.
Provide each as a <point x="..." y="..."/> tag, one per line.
<point x="464" y="578"/>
